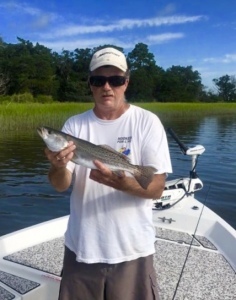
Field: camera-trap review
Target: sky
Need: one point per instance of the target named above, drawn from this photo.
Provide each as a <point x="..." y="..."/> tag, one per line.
<point x="197" y="33"/>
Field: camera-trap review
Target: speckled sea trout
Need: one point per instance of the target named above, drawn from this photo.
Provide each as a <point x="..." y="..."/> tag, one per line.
<point x="86" y="152"/>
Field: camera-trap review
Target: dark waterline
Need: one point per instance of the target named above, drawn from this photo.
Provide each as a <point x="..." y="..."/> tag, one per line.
<point x="26" y="198"/>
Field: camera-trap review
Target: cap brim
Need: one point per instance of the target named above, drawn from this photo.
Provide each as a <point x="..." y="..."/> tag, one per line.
<point x="102" y="64"/>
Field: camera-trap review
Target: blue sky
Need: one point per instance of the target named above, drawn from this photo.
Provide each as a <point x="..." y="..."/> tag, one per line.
<point x="184" y="32"/>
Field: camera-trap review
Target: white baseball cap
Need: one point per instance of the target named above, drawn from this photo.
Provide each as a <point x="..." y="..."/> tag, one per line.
<point x="108" y="56"/>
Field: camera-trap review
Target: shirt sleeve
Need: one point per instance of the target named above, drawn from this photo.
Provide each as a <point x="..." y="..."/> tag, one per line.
<point x="155" y="150"/>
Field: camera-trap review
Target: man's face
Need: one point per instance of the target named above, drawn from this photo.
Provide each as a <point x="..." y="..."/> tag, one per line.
<point x="108" y="95"/>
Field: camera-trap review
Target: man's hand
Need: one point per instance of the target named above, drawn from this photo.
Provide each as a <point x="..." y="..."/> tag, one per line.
<point x="58" y="175"/>
<point x="60" y="159"/>
<point x="128" y="184"/>
<point x="105" y="176"/>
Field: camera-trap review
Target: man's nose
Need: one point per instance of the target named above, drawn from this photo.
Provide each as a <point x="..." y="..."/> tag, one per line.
<point x="107" y="86"/>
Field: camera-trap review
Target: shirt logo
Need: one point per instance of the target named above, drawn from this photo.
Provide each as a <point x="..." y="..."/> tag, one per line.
<point x="125" y="141"/>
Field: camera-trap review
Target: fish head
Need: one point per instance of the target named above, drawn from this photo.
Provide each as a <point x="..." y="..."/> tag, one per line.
<point x="52" y="138"/>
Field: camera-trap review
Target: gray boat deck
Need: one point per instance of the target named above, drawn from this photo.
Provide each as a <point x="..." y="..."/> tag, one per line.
<point x="206" y="274"/>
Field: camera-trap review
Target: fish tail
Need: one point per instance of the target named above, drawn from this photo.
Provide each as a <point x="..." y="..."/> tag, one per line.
<point x="144" y="175"/>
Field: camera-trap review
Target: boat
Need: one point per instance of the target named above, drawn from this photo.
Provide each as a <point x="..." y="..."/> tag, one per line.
<point x="195" y="254"/>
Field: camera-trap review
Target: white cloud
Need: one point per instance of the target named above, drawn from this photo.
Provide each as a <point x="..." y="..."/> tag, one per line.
<point x="209" y="72"/>
<point x="227" y="58"/>
<point x="84" y="43"/>
<point x="51" y="30"/>
<point x="158" y="21"/>
<point x="40" y="17"/>
<point x="43" y="21"/>
<point x="168" y="9"/>
<point x="72" y="30"/>
<point x="164" y="37"/>
<point x="22" y="8"/>
<point x="58" y="45"/>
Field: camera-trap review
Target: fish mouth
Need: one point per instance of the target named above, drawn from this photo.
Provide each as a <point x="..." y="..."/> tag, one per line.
<point x="41" y="131"/>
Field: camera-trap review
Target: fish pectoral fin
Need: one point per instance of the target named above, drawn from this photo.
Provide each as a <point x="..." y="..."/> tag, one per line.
<point x="114" y="151"/>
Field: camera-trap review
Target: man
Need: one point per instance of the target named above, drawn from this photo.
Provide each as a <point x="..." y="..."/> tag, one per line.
<point x="109" y="241"/>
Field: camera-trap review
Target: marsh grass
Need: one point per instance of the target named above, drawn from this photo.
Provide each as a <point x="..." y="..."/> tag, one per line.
<point x="31" y="115"/>
<point x="190" y="109"/>
<point x="28" y="116"/>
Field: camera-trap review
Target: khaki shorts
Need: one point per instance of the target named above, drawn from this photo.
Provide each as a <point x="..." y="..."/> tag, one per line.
<point x="132" y="280"/>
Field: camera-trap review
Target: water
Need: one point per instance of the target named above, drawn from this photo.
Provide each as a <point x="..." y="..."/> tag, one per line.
<point x="26" y="197"/>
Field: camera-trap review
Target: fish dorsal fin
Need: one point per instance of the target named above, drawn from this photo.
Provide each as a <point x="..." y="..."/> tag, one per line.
<point x="114" y="151"/>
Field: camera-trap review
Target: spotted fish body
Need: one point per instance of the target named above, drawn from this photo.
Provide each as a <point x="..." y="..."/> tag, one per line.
<point x="86" y="153"/>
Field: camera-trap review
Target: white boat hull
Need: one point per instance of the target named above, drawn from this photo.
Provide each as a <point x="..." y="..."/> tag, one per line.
<point x="32" y="257"/>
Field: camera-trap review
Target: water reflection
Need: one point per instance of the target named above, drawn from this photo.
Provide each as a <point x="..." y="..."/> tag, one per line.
<point x="26" y="198"/>
<point x="217" y="165"/>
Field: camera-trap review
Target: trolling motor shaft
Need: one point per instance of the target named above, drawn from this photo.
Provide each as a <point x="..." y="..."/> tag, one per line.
<point x="176" y="190"/>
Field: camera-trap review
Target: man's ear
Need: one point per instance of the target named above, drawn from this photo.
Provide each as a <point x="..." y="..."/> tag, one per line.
<point x="126" y="83"/>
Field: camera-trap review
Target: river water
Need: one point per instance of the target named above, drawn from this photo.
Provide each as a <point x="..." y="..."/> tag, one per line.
<point x="26" y="197"/>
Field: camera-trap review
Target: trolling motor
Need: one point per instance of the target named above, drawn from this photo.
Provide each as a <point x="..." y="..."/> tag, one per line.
<point x="176" y="190"/>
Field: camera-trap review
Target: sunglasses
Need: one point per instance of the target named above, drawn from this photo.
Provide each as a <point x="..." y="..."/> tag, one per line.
<point x="99" y="81"/>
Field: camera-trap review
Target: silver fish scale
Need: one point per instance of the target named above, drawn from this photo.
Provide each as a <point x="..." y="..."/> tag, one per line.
<point x="110" y="157"/>
<point x="86" y="152"/>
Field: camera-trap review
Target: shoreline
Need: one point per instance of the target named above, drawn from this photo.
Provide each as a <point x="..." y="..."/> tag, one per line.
<point x="25" y="116"/>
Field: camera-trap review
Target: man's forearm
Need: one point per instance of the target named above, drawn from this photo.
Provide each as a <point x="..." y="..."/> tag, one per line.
<point x="60" y="178"/>
<point x="153" y="191"/>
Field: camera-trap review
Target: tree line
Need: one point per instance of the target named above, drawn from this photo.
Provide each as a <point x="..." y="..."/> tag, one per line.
<point x="43" y="74"/>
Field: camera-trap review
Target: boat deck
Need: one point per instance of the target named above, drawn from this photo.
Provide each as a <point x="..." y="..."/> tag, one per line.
<point x="205" y="274"/>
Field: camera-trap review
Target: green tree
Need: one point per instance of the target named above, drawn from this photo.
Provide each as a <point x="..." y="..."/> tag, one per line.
<point x="140" y="57"/>
<point x="81" y="62"/>
<point x="17" y="61"/>
<point x="4" y="78"/>
<point x="226" y="86"/>
<point x="143" y="74"/>
<point x="64" y="70"/>
<point x="81" y="67"/>
<point x="181" y="84"/>
<point x="28" y="67"/>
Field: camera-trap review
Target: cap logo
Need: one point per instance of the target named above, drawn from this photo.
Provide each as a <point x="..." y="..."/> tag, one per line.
<point x="108" y="53"/>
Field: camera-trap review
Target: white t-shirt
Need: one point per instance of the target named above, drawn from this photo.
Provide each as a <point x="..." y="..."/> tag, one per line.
<point x="107" y="225"/>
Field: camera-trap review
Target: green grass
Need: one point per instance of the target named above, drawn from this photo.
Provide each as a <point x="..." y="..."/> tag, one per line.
<point x="190" y="109"/>
<point x="30" y="115"/>
<point x="27" y="116"/>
